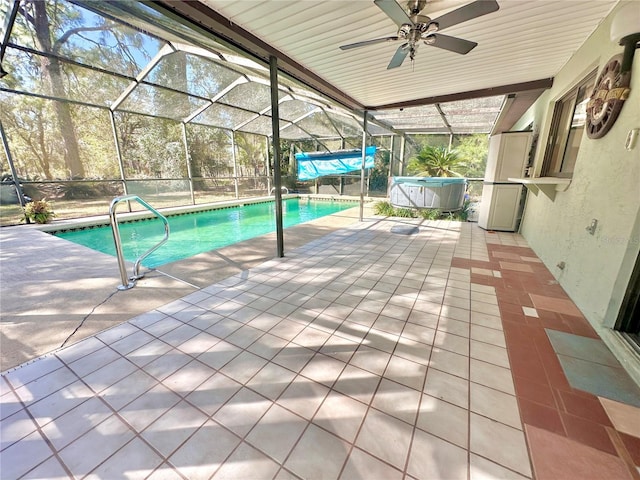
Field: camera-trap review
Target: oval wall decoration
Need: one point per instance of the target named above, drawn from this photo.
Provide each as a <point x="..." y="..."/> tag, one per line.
<point x="608" y="96"/>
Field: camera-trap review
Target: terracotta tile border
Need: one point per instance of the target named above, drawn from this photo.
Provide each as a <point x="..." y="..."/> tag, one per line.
<point x="545" y="397"/>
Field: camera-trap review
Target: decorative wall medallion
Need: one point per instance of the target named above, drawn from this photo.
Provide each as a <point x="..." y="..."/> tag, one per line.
<point x="610" y="92"/>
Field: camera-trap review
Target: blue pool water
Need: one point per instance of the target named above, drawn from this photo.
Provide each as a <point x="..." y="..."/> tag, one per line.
<point x="200" y="232"/>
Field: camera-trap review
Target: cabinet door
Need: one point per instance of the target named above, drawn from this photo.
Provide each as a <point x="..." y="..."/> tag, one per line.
<point x="508" y="154"/>
<point x="505" y="205"/>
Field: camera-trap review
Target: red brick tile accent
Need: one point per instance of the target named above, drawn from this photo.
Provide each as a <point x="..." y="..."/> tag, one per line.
<point x="587" y="407"/>
<point x="547" y="401"/>
<point x="539" y="393"/>
<point x="541" y="416"/>
<point x="633" y="446"/>
<point x="588" y="433"/>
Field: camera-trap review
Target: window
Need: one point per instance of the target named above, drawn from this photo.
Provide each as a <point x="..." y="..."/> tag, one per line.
<point x="567" y="128"/>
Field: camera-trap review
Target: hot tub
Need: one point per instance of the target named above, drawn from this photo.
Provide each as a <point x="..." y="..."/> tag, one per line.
<point x="445" y="194"/>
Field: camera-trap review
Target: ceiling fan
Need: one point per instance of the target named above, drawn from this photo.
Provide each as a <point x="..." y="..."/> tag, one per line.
<point x="414" y="28"/>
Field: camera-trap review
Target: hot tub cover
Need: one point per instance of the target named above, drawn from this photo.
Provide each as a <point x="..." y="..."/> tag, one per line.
<point x="318" y="164"/>
<point x="429" y="181"/>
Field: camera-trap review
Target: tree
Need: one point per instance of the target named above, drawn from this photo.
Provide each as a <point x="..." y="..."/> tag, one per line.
<point x="436" y="162"/>
<point x="473" y="150"/>
<point x="52" y="69"/>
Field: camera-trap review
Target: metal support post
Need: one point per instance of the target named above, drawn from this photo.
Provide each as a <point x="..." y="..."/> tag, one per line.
<point x="364" y="159"/>
<point x="275" y="127"/>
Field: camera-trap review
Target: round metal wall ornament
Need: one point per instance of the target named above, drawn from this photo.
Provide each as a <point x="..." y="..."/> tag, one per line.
<point x="608" y="96"/>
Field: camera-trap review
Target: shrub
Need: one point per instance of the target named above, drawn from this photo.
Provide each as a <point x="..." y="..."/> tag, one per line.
<point x="430" y="214"/>
<point x="38" y="211"/>
<point x="383" y="208"/>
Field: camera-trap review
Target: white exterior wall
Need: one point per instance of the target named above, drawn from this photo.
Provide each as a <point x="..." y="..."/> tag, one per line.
<point x="605" y="186"/>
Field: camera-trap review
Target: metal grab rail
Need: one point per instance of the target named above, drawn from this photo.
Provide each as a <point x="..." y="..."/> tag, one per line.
<point x="286" y="190"/>
<point x="129" y="282"/>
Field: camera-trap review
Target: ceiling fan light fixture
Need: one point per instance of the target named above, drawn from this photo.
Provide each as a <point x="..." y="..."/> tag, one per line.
<point x="404" y="31"/>
<point x="414" y="27"/>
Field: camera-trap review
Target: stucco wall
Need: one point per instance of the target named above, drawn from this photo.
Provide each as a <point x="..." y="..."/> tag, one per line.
<point x="605" y="186"/>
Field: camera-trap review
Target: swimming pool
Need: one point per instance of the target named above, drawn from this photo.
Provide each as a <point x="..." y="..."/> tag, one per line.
<point x="199" y="232"/>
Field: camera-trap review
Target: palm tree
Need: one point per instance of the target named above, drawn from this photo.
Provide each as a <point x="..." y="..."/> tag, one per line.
<point x="435" y="162"/>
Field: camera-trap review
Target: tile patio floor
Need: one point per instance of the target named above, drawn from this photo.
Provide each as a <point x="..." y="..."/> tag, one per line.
<point x="448" y="354"/>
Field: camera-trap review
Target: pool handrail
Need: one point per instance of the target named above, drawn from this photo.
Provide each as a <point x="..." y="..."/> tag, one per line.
<point x="286" y="190"/>
<point x="129" y="282"/>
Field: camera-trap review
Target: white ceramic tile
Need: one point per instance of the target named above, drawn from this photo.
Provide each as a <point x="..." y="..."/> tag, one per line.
<point x="530" y="312"/>
<point x="447" y="387"/>
<point x="148" y="353"/>
<point x="451" y="342"/>
<point x="21" y="457"/>
<point x="357" y="383"/>
<point x="68" y="427"/>
<point x="31" y="371"/>
<point x="432" y="457"/>
<point x="17" y="426"/>
<point x="329" y="454"/>
<point x="242" y="411"/>
<point x="488" y="335"/>
<point x="127" y="389"/>
<point x="417" y="352"/>
<point x="247" y="462"/>
<point x="45" y="385"/>
<point x="499" y="443"/>
<point x="496" y="405"/>
<point x="213" y="393"/>
<point x="50" y="469"/>
<point x="406" y="372"/>
<point x="444" y="420"/>
<point x="136" y="460"/>
<point x="303" y="397"/>
<point x="82" y="456"/>
<point x="385" y="437"/>
<point x="323" y="369"/>
<point x="397" y="400"/>
<point x="243" y="367"/>
<point x="196" y="459"/>
<point x="362" y="466"/>
<point x="485" y="308"/>
<point x="489" y="353"/>
<point x="93" y="361"/>
<point x="148" y="407"/>
<point x="450" y="362"/>
<point x="176" y="425"/>
<point x="80" y="349"/>
<point x="219" y="355"/>
<point x="483" y="469"/>
<point x="293" y="357"/>
<point x="277" y="432"/>
<point x="271" y="381"/>
<point x="341" y="415"/>
<point x="371" y="359"/>
<point x="492" y="376"/>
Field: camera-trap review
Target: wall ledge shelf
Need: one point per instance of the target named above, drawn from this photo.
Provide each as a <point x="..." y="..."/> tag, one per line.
<point x="547" y="185"/>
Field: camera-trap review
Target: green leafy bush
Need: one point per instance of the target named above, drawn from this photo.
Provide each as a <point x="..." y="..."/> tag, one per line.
<point x="430" y="214"/>
<point x="38" y="211"/>
<point x="405" y="213"/>
<point x="383" y="208"/>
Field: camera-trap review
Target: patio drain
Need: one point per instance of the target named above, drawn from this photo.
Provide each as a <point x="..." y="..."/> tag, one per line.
<point x="404" y="230"/>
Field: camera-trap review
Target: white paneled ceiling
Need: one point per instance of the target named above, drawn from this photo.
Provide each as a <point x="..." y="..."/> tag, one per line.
<point x="524" y="41"/>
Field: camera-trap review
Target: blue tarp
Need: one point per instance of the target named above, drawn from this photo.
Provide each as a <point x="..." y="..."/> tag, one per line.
<point x="315" y="164"/>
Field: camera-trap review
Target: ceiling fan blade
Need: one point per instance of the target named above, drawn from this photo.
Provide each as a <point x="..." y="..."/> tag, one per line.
<point x="398" y="57"/>
<point x="453" y="44"/>
<point x="467" y="12"/>
<point x="394" y="11"/>
<point x="368" y="42"/>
